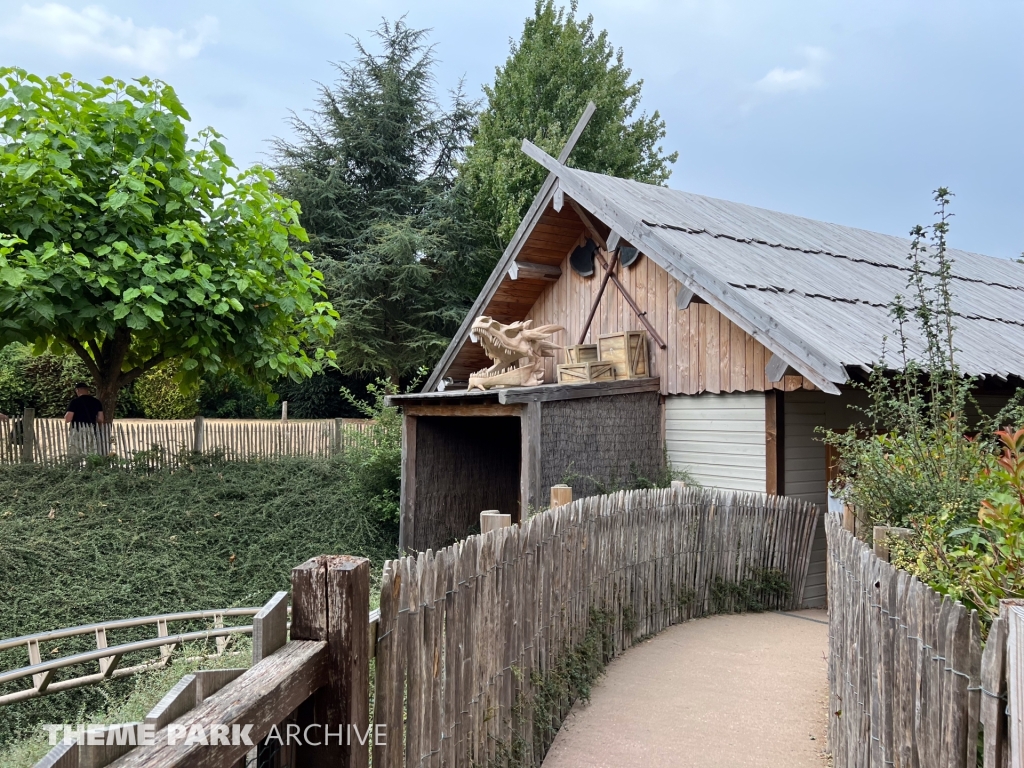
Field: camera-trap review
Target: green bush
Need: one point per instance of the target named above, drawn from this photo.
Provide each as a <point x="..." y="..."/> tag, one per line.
<point x="982" y="562"/>
<point x="374" y="470"/>
<point x="158" y="395"/>
<point x="79" y="546"/>
<point x="925" y="458"/>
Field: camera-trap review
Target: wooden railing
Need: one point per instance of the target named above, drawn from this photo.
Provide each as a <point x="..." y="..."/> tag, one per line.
<point x="910" y="685"/>
<point x="108" y="656"/>
<point x="165" y="442"/>
<point x="467" y="637"/>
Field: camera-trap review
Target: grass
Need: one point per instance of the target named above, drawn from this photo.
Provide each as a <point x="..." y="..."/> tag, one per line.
<point x="79" y="546"/>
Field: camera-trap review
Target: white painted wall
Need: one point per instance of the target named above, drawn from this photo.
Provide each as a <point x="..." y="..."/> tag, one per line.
<point x="719" y="439"/>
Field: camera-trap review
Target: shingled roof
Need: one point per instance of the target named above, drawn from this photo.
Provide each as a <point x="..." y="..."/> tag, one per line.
<point x="816" y="294"/>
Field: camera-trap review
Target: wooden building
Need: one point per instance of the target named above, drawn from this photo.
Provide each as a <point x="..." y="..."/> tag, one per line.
<point x="765" y="320"/>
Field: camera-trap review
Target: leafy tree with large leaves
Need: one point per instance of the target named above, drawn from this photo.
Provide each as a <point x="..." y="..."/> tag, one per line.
<point x="374" y="170"/>
<point x="131" y="245"/>
<point x="558" y="65"/>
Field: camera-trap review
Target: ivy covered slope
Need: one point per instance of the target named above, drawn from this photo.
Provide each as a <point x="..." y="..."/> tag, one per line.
<point x="129" y="244"/>
<point x="106" y="543"/>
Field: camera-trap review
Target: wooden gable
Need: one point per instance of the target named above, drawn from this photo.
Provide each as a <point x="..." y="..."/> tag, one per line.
<point x="705" y="352"/>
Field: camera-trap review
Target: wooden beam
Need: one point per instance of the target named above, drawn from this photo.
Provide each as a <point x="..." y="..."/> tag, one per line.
<point x="613" y="240"/>
<point x="558" y="200"/>
<point x="776" y="368"/>
<point x="775" y="442"/>
<point x="684" y="297"/>
<point x="530" y="270"/>
<point x="407" y="493"/>
<point x="550" y="392"/>
<point x="264" y="696"/>
<point x="608" y="272"/>
<point x="530" y="459"/>
<point x="467" y="409"/>
<point x="581" y="124"/>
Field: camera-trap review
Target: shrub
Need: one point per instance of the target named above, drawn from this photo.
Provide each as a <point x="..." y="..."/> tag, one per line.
<point x="981" y="563"/>
<point x="373" y="466"/>
<point x="159" y="396"/>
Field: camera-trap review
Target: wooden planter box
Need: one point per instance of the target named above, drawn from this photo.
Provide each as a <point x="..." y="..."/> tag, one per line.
<point x="582" y="353"/>
<point x="585" y="373"/>
<point x="627" y="352"/>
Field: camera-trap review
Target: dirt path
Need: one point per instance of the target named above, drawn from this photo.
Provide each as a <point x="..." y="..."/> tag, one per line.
<point x="722" y="692"/>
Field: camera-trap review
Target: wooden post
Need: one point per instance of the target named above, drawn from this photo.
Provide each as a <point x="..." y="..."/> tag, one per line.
<point x="331" y="602"/>
<point x="198" y="434"/>
<point x="407" y="522"/>
<point x="678" y="484"/>
<point x="492" y="520"/>
<point x="849" y="519"/>
<point x="284" y="410"/>
<point x="560" y="495"/>
<point x="775" y="441"/>
<point x="28" y="434"/>
<point x="270" y="627"/>
<point x="879" y="537"/>
<point x="1013" y="611"/>
<point x="339" y="437"/>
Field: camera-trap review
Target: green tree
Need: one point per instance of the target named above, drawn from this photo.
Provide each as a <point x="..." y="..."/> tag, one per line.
<point x="130" y="245"/>
<point x="559" y="64"/>
<point x="374" y="170"/>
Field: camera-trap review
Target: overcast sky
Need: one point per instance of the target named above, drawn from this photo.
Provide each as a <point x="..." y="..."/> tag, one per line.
<point x="850" y="112"/>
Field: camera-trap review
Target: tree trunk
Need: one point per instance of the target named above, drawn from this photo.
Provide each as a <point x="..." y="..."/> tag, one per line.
<point x="107" y="390"/>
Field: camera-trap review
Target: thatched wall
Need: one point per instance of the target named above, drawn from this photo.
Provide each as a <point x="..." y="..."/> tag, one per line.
<point x="601" y="443"/>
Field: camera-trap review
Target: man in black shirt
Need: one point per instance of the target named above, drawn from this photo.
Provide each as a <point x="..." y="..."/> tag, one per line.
<point x="84" y="409"/>
<point x="84" y="413"/>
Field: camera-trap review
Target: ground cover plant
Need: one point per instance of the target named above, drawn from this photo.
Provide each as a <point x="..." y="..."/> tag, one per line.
<point x="101" y="542"/>
<point x="927" y="458"/>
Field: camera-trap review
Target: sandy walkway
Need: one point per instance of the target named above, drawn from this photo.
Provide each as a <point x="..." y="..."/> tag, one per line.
<point x="727" y="691"/>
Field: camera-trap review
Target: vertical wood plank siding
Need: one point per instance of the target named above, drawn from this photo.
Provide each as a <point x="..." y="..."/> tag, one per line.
<point x="469" y="635"/>
<point x="705" y="351"/>
<point x="718" y="439"/>
<point x="805" y="475"/>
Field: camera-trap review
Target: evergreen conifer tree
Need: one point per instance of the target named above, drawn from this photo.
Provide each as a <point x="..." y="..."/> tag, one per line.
<point x="374" y="171"/>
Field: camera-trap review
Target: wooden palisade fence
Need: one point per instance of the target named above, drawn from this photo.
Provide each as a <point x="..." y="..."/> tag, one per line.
<point x="163" y="442"/>
<point x="910" y="685"/>
<point x="467" y="637"/>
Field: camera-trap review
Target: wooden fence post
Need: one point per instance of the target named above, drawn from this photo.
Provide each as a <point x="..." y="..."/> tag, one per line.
<point x="560" y="495"/>
<point x="284" y="410"/>
<point x="1013" y="611"/>
<point x="492" y="520"/>
<point x="28" y="434"/>
<point x="270" y="627"/>
<point x="331" y="602"/>
<point x="199" y="435"/>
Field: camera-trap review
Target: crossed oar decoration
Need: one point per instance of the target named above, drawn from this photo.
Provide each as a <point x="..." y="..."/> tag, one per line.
<point x="609" y="274"/>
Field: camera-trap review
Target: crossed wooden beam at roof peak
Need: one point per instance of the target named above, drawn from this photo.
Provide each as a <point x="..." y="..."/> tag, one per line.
<point x="611" y="246"/>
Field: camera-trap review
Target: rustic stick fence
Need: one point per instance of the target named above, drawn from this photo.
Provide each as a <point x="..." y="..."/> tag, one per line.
<point x="466" y="638"/>
<point x="154" y="443"/>
<point x="910" y="685"/>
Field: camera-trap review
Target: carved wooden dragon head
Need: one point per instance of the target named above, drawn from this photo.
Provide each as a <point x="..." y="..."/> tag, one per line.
<point x="517" y="350"/>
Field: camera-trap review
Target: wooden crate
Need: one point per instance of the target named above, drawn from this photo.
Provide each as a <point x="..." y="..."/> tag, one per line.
<point x="585" y="373"/>
<point x="582" y="353"/>
<point x="627" y="352"/>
